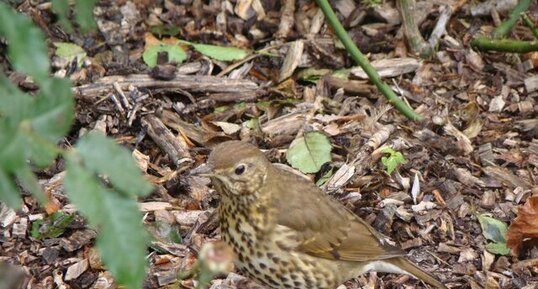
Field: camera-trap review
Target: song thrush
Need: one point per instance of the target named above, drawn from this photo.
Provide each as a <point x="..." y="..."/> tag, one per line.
<point x="287" y="233"/>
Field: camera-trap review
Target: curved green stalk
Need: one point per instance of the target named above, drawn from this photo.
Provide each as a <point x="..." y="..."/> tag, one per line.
<point x="399" y="104"/>
<point x="504" y="45"/>
<point x="507" y="25"/>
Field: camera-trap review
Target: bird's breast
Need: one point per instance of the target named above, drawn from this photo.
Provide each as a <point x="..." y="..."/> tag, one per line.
<point x="266" y="253"/>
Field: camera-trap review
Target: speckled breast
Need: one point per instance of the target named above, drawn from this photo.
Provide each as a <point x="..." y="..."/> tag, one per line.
<point x="264" y="257"/>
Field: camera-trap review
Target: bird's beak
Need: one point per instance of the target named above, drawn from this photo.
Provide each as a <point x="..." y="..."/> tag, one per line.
<point x="204" y="170"/>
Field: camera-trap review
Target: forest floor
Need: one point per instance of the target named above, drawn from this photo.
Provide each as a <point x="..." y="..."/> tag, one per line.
<point x="474" y="154"/>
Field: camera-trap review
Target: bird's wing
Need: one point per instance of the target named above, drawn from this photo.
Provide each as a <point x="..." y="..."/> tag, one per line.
<point x="322" y="227"/>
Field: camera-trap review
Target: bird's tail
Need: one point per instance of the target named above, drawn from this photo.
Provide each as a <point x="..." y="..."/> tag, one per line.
<point x="415" y="271"/>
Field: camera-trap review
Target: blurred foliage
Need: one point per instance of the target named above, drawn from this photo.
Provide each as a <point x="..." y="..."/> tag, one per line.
<point x="102" y="179"/>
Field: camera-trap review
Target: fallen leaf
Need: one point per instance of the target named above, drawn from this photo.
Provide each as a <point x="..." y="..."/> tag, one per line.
<point x="310" y="152"/>
<point x="525" y="225"/>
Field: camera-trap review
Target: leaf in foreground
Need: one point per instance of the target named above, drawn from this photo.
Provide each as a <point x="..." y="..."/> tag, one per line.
<point x="103" y="156"/>
<point x="309" y="152"/>
<point x="122" y="239"/>
<point x="27" y="45"/>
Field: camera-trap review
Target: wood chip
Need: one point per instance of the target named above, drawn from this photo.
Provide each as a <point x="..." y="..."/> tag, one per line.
<point x="19" y="228"/>
<point x="154" y="206"/>
<point x="506" y="177"/>
<point x="531" y="83"/>
<point x="77" y="240"/>
<point x="389" y="67"/>
<point x="292" y="60"/>
<point x="488" y="200"/>
<point x="187" y="218"/>
<point x="75" y="270"/>
<point x="174" y="146"/>
<point x="8" y="216"/>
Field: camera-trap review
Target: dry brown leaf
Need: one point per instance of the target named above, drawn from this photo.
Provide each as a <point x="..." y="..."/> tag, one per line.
<point x="524" y="226"/>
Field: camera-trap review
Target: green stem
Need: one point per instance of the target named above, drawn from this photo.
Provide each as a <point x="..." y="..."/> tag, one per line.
<point x="507" y="25"/>
<point x="416" y="42"/>
<point x="399" y="104"/>
<point x="514" y="46"/>
<point x="529" y="24"/>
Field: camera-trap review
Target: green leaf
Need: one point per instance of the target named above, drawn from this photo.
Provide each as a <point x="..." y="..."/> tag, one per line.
<point x="394" y="159"/>
<point x="84" y="14"/>
<point x="8" y="192"/>
<point x="26" y="44"/>
<point x="29" y="182"/>
<point x="325" y="178"/>
<point x="310" y="152"/>
<point x="12" y="153"/>
<point x="165" y="30"/>
<point x="493" y="229"/>
<point x="70" y="51"/>
<point x="220" y="53"/>
<point x="122" y="239"/>
<point x="312" y="75"/>
<point x="53" y="109"/>
<point x="61" y="8"/>
<point x="16" y="105"/>
<point x="103" y="156"/>
<point x="175" y="53"/>
<point x="52" y="227"/>
<point x="498" y="248"/>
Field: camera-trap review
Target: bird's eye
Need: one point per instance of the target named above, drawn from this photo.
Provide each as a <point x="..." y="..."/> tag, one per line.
<point x="240" y="169"/>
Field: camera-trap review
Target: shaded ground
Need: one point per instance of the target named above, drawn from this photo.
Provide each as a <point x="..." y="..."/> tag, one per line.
<point x="476" y="151"/>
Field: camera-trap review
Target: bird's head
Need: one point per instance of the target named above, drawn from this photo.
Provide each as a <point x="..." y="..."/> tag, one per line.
<point x="238" y="166"/>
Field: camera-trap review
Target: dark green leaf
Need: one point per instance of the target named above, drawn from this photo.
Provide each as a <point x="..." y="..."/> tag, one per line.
<point x="26" y="44"/>
<point x="8" y="192"/>
<point x="54" y="109"/>
<point x="29" y="182"/>
<point x="122" y="239"/>
<point x="84" y="14"/>
<point x="16" y="105"/>
<point x="103" y="156"/>
<point x="61" y="8"/>
<point x="12" y="146"/>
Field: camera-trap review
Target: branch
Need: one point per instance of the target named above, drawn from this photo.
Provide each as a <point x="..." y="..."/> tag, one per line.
<point x="507" y="25"/>
<point x="399" y="104"/>
<point x="416" y="42"/>
<point x="515" y="46"/>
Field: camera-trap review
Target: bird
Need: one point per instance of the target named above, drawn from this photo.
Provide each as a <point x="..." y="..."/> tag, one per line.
<point x="286" y="233"/>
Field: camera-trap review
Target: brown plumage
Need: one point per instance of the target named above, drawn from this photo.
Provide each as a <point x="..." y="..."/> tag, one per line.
<point x="287" y="233"/>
